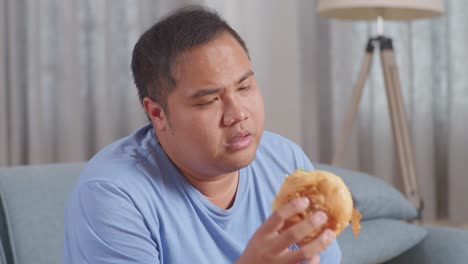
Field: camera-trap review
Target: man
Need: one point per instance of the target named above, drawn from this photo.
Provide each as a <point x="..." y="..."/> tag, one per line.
<point x="196" y="185"/>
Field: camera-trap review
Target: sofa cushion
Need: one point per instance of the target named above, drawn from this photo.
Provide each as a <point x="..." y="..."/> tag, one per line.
<point x="379" y="240"/>
<point x="2" y="257"/>
<point x="373" y="197"/>
<point x="6" y="252"/>
<point x="442" y="245"/>
<point x="35" y="199"/>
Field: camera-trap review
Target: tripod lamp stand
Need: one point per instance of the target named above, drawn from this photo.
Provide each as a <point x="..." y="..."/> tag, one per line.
<point x="379" y="10"/>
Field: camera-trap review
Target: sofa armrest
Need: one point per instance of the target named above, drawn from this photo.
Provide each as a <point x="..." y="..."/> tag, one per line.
<point x="441" y="245"/>
<point x="34" y="200"/>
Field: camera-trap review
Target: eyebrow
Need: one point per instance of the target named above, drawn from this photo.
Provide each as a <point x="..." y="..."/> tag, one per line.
<point x="245" y="76"/>
<point x="209" y="91"/>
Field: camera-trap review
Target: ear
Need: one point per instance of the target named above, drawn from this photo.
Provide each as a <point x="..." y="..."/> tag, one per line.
<point x="155" y="113"/>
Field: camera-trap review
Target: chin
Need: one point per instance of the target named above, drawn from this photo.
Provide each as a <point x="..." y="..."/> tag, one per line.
<point x="242" y="159"/>
<point x="233" y="161"/>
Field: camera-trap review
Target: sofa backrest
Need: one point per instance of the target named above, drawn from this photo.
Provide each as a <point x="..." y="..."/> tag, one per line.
<point x="34" y="200"/>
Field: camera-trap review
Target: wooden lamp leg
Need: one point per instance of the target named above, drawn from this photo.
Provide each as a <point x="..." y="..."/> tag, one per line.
<point x="400" y="129"/>
<point x="354" y="106"/>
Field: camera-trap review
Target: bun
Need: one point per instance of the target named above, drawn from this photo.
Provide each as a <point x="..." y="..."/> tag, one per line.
<point x="327" y="193"/>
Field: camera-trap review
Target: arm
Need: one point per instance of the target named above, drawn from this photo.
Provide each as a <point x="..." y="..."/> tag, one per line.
<point x="104" y="226"/>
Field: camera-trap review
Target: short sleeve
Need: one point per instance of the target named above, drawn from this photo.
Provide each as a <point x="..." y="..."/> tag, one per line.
<point x="104" y="226"/>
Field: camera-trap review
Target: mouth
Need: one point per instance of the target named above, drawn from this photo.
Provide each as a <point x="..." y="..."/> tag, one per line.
<point x="240" y="140"/>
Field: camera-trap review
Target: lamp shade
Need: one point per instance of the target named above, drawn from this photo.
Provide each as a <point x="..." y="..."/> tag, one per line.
<point x="387" y="9"/>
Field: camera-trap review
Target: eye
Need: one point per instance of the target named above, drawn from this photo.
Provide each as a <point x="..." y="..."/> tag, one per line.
<point x="244" y="88"/>
<point x="208" y="102"/>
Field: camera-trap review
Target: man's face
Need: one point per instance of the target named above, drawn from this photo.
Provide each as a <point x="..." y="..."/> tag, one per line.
<point x="216" y="111"/>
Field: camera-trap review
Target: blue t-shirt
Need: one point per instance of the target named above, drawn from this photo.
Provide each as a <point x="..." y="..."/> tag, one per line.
<point x="132" y="205"/>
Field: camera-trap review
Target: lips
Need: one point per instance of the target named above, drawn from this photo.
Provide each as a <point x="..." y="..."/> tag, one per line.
<point x="239" y="136"/>
<point x="240" y="140"/>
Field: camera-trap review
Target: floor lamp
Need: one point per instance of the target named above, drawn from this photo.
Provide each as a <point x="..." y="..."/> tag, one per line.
<point x="379" y="10"/>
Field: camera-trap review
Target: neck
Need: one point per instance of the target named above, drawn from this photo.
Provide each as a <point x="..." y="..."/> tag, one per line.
<point x="220" y="191"/>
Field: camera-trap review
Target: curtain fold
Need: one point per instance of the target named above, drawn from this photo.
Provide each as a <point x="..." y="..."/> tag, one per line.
<point x="4" y="149"/>
<point x="457" y="103"/>
<point x="66" y="88"/>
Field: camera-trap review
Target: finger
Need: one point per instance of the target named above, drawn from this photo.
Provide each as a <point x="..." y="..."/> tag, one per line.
<point x="294" y="234"/>
<point x="315" y="260"/>
<point x="277" y="219"/>
<point x="309" y="250"/>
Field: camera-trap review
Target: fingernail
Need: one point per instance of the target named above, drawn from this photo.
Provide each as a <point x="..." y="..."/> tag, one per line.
<point x="329" y="234"/>
<point x="321" y="217"/>
<point x="303" y="201"/>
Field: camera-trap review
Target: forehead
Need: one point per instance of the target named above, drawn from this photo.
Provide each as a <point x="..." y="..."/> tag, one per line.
<point x="218" y="61"/>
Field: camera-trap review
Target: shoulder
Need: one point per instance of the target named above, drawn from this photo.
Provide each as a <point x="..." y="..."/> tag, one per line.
<point x="104" y="218"/>
<point x="278" y="149"/>
<point x="114" y="200"/>
<point x="276" y="157"/>
<point x="134" y="166"/>
<point x="269" y="137"/>
<point x="273" y="142"/>
<point x="123" y="159"/>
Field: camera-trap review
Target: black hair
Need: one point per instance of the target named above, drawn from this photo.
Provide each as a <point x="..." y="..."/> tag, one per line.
<point x="157" y="49"/>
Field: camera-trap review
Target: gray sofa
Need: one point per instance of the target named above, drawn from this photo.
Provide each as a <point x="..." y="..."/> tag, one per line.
<point x="33" y="199"/>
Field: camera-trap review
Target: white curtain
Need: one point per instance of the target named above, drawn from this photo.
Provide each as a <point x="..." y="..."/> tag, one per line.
<point x="66" y="88"/>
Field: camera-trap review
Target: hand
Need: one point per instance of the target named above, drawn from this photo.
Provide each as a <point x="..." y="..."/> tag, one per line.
<point x="270" y="244"/>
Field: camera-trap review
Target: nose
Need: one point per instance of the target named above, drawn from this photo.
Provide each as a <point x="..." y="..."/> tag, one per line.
<point x="234" y="114"/>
